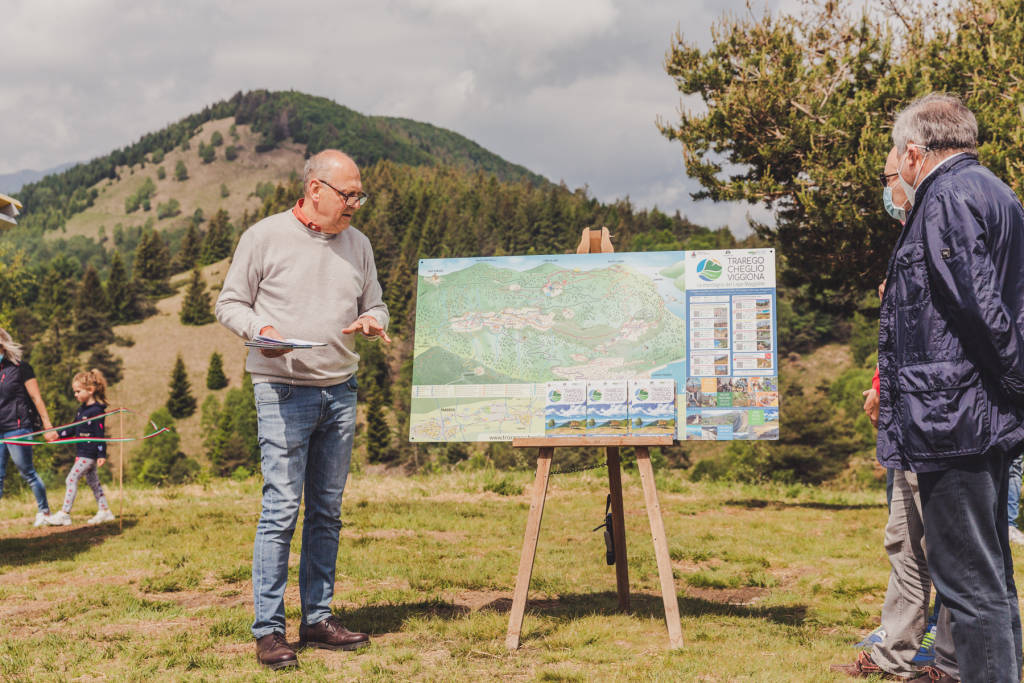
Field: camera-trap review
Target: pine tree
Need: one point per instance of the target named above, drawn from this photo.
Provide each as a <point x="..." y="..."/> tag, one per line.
<point x="107" y="363"/>
<point x="118" y="291"/>
<point x="215" y="377"/>
<point x="191" y="243"/>
<point x="122" y="294"/>
<point x="230" y="432"/>
<point x="181" y="403"/>
<point x="195" y="309"/>
<point x="60" y="278"/>
<point x="91" y="320"/>
<point x="152" y="264"/>
<point x="218" y="241"/>
<point x="373" y="367"/>
<point x="180" y="171"/>
<point x="159" y="461"/>
<point x="378" y="433"/>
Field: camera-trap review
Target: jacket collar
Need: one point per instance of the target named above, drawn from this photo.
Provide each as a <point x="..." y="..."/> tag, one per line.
<point x="961" y="161"/>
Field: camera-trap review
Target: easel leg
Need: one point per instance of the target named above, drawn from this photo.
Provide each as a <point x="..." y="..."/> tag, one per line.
<point x="668" y="586"/>
<point x="540" y="489"/>
<point x="618" y="528"/>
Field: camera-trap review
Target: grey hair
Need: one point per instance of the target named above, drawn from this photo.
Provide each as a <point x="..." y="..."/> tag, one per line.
<point x="318" y="165"/>
<point x="9" y="348"/>
<point x="936" y="121"/>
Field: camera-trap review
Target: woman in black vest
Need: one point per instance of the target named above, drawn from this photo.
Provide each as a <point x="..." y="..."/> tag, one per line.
<point x="19" y="401"/>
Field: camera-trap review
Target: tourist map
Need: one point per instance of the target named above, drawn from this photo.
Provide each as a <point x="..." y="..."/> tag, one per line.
<point x="491" y="332"/>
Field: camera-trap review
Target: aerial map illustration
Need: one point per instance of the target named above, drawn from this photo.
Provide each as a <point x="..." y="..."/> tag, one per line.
<point x="490" y="332"/>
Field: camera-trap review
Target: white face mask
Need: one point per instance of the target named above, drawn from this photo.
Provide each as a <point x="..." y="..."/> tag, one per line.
<point x="910" y="188"/>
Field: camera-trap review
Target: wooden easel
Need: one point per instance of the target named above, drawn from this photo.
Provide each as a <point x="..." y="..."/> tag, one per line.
<point x="598" y="241"/>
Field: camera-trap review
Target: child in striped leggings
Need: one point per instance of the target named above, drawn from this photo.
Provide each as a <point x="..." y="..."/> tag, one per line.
<point x="90" y="390"/>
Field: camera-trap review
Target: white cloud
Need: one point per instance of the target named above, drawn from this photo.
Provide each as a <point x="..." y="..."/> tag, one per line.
<point x="531" y="24"/>
<point x="569" y="88"/>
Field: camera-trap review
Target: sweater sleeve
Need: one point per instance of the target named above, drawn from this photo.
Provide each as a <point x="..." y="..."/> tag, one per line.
<point x="234" y="307"/>
<point x="371" y="301"/>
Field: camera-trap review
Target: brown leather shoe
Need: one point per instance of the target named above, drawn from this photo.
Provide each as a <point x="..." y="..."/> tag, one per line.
<point x="274" y="652"/>
<point x="864" y="667"/>
<point x="331" y="635"/>
<point x="931" y="674"/>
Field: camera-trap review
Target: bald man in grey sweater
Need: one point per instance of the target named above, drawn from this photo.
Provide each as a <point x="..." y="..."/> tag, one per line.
<point x="304" y="273"/>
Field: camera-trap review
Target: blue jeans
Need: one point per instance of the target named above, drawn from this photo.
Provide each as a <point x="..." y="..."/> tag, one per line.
<point x="305" y="436"/>
<point x="22" y="457"/>
<point x="1013" y="499"/>
<point x="966" y="534"/>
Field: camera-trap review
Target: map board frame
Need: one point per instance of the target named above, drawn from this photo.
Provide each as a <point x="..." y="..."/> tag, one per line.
<point x="486" y="326"/>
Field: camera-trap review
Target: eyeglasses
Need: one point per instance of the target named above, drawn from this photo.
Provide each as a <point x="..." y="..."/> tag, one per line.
<point x="884" y="178"/>
<point x="359" y="197"/>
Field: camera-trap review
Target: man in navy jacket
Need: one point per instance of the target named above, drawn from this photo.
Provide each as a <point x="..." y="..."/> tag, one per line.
<point x="951" y="371"/>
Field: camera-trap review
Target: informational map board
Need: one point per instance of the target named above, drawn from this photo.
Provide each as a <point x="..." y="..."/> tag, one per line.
<point x="492" y="332"/>
<point x="732" y="370"/>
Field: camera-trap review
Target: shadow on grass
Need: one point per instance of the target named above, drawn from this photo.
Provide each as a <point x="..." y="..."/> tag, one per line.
<point x="575" y="605"/>
<point x="754" y="503"/>
<point x="50" y="544"/>
<point x="390" y="618"/>
<point x="378" y="619"/>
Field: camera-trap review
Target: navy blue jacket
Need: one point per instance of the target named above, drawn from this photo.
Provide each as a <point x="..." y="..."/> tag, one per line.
<point x="94" y="428"/>
<point x="951" y="328"/>
<point x="16" y="408"/>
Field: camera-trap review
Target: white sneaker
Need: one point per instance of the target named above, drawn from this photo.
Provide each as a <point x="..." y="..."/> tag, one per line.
<point x="1016" y="535"/>
<point x="60" y="518"/>
<point x="41" y="519"/>
<point x="101" y="516"/>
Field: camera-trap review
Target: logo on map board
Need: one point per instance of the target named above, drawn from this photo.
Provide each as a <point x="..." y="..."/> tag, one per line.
<point x="642" y="395"/>
<point x="709" y="269"/>
<point x="554" y="396"/>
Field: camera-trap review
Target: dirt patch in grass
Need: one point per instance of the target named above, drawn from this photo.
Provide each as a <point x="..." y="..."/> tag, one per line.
<point x="477" y="600"/>
<point x="728" y="596"/>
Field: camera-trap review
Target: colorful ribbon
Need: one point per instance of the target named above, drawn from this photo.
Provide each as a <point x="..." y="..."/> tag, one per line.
<point x="25" y="440"/>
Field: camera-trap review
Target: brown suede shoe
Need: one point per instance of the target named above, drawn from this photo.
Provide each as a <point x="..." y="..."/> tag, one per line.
<point x="864" y="667"/>
<point x="331" y="635"/>
<point x="930" y="674"/>
<point x="274" y="652"/>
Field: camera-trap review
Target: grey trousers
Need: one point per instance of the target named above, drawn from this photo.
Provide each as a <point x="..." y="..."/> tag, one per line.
<point x="905" y="611"/>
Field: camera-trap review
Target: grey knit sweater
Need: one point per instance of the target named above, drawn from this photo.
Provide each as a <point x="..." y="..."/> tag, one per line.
<point x="308" y="285"/>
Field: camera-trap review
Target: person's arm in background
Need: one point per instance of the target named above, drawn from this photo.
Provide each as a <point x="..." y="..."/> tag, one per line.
<point x="32" y="387"/>
<point x="871" y="399"/>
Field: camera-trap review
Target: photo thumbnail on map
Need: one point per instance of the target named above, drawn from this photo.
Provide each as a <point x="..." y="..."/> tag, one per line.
<point x="565" y="413"/>
<point x="608" y="407"/>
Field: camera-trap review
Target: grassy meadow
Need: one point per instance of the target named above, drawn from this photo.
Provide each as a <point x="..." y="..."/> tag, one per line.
<point x="774" y="583"/>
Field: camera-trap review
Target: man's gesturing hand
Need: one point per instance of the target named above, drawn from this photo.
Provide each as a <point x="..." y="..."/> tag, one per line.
<point x="369" y="326"/>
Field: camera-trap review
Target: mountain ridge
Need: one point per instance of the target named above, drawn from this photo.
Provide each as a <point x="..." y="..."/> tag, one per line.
<point x="276" y="117"/>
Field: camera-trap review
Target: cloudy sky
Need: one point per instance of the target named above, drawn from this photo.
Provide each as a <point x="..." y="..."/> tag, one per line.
<point x="569" y="88"/>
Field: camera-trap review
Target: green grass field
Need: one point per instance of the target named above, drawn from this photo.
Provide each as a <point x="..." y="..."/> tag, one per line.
<point x="774" y="583"/>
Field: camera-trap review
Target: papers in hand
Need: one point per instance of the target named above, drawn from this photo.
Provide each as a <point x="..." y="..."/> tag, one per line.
<point x="261" y="342"/>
